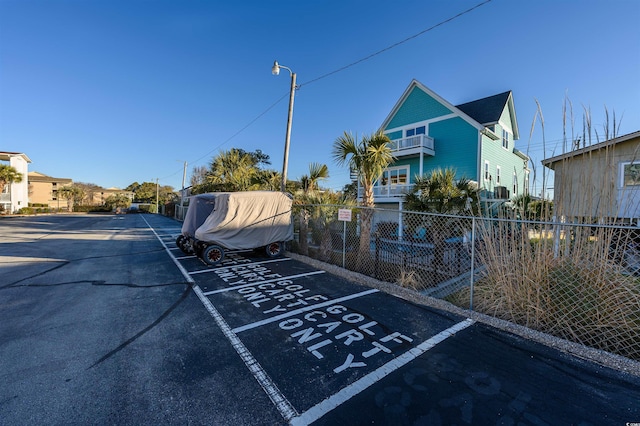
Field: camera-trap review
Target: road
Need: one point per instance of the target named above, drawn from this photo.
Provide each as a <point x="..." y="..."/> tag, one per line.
<point x="105" y="321"/>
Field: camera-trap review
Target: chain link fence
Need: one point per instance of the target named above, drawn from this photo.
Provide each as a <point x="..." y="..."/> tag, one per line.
<point x="578" y="281"/>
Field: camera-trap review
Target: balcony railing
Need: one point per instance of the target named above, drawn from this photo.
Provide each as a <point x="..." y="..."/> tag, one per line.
<point x="387" y="191"/>
<point x="413" y="145"/>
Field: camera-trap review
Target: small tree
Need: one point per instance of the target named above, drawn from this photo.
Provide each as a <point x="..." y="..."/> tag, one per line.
<point x="8" y="175"/>
<point x="117" y="200"/>
<point x="307" y="195"/>
<point x="368" y="158"/>
<point x="74" y="195"/>
<point x="440" y="192"/>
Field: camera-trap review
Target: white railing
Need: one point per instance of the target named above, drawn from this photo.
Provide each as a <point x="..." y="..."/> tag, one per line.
<point x="418" y="141"/>
<point x="388" y="191"/>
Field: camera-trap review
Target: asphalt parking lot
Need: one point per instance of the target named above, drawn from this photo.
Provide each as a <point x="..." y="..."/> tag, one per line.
<point x="306" y="346"/>
<point x="326" y="343"/>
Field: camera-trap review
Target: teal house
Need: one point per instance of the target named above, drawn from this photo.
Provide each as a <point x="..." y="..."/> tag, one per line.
<point x="475" y="138"/>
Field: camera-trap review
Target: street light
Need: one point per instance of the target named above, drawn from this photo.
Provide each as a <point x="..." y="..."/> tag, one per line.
<point x="275" y="70"/>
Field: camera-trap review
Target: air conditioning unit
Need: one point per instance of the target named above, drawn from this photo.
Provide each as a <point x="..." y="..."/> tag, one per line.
<point x="501" y="192"/>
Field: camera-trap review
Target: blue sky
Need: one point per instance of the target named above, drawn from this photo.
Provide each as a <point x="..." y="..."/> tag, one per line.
<point x="112" y="92"/>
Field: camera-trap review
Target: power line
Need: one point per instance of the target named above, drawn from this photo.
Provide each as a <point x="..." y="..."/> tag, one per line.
<point x="395" y="44"/>
<point x="439" y="24"/>
<point x="236" y="133"/>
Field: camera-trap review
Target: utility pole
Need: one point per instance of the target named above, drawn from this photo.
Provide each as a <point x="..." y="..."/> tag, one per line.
<point x="157" y="196"/>
<point x="184" y="177"/>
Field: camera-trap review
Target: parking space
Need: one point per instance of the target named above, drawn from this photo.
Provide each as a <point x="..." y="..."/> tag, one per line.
<point x="330" y="351"/>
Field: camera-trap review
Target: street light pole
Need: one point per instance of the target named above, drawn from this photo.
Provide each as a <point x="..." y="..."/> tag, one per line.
<point x="275" y="70"/>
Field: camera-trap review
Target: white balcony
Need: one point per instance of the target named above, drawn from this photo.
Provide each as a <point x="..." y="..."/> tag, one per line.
<point x="413" y="145"/>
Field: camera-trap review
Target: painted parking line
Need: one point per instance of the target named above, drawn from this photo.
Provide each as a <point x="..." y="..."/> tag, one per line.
<point x="280" y="401"/>
<point x="348" y="392"/>
<point x="302" y="310"/>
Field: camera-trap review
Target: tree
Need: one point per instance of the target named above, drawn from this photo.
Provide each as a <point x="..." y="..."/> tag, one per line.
<point x="234" y="170"/>
<point x="117" y="200"/>
<point x="8" y="175"/>
<point x="89" y="191"/>
<point x="268" y="180"/>
<point x="308" y="188"/>
<point x="440" y="192"/>
<point x="367" y="158"/>
<point x="198" y="176"/>
<point x="147" y="192"/>
<point x="73" y="193"/>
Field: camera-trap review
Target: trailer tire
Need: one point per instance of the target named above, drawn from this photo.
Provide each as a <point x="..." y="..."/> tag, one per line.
<point x="184" y="243"/>
<point x="274" y="249"/>
<point x="212" y="255"/>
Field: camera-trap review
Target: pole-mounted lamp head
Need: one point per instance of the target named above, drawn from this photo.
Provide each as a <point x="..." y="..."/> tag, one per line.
<point x="275" y="69"/>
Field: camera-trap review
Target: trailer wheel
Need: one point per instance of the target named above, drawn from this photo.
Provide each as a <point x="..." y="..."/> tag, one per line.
<point x="212" y="255"/>
<point x="198" y="247"/>
<point x="274" y="249"/>
<point x="184" y="243"/>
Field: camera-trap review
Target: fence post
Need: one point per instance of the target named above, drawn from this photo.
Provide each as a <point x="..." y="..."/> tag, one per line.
<point x="344" y="242"/>
<point x="375" y="265"/>
<point x="473" y="262"/>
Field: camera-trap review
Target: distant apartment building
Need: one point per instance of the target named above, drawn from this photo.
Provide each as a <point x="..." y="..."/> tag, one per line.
<point x="43" y="191"/>
<point x="15" y="196"/>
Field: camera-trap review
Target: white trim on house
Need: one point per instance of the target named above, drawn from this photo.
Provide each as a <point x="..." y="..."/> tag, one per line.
<point x="549" y="162"/>
<point x="425" y="123"/>
<point x="415" y="83"/>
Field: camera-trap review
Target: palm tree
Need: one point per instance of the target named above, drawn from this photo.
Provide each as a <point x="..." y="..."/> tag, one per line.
<point x="368" y="158"/>
<point x="74" y="195"/>
<point x="310" y="186"/>
<point x="441" y="193"/>
<point x="8" y="175"/>
<point x="268" y="180"/>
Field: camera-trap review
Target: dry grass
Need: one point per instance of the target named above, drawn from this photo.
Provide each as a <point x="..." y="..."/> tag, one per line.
<point x="409" y="279"/>
<point x="575" y="288"/>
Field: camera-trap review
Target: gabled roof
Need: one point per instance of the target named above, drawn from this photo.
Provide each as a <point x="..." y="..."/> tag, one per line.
<point x="479" y="113"/>
<point x="6" y="155"/>
<point x="487" y="111"/>
<point x="550" y="162"/>
<point x="415" y="83"/>
<point x="41" y="177"/>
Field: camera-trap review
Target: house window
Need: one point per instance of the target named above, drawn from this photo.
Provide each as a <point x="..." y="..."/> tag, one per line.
<point x="395" y="176"/>
<point x="422" y="130"/>
<point x="526" y="183"/>
<point x="487" y="175"/>
<point x="505" y="139"/>
<point x="515" y="183"/>
<point x="630" y="174"/>
<point x="498" y="180"/>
